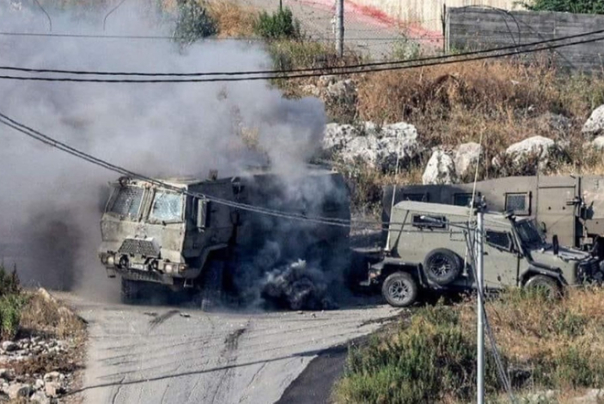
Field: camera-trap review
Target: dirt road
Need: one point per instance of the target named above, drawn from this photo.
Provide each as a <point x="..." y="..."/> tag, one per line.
<point x="159" y="354"/>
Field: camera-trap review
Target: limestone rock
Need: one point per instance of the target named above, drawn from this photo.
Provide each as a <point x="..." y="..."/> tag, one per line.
<point x="440" y="169"/>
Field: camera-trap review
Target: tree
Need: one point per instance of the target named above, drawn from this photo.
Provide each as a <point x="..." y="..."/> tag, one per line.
<point x="193" y="22"/>
<point x="570" y="6"/>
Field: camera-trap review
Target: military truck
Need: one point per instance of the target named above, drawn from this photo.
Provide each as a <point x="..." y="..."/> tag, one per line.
<point x="156" y="234"/>
<point x="428" y="250"/>
<point x="571" y="207"/>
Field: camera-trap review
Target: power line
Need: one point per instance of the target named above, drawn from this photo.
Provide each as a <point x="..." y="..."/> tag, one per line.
<point x="32" y="133"/>
<point x="341" y="70"/>
<point x="329" y="68"/>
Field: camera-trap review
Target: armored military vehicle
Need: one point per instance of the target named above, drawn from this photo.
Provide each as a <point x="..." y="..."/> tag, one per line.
<point x="571" y="207"/>
<point x="156" y="234"/>
<point x="427" y="249"/>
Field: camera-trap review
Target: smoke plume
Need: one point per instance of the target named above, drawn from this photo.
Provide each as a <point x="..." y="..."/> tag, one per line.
<point x="51" y="203"/>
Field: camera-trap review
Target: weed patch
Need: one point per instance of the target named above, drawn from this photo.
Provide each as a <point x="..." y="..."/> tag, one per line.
<point x="544" y="344"/>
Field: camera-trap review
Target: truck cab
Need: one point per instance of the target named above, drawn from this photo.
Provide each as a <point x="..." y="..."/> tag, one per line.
<point x="191" y="233"/>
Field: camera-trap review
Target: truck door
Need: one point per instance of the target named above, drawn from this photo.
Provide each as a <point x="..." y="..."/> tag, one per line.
<point x="556" y="208"/>
<point x="500" y="259"/>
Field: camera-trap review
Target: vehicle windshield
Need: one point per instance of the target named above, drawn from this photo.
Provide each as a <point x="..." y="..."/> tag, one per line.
<point x="167" y="207"/>
<point x="529" y="233"/>
<point x="127" y="202"/>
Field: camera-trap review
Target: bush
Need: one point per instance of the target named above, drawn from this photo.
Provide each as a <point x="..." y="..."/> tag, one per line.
<point x="11" y="303"/>
<point x="432" y="360"/>
<point x="193" y="22"/>
<point x="279" y="25"/>
<point x="570" y="6"/>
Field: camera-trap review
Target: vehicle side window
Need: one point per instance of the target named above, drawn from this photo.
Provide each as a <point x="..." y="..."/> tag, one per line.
<point x="518" y="203"/>
<point x="429" y="222"/>
<point x="415" y="197"/>
<point x="464" y="199"/>
<point x="499" y="239"/>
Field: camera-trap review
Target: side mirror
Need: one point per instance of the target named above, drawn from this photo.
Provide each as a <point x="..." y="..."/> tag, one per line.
<point x="202" y="213"/>
<point x="556" y="244"/>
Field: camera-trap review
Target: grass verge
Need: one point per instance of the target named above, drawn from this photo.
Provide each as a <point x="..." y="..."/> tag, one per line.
<point x="544" y="344"/>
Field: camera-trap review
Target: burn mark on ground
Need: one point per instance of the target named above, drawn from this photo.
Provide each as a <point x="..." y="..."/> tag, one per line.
<point x="232" y="340"/>
<point x="162" y="318"/>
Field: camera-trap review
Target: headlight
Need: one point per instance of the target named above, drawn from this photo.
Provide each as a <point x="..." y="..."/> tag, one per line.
<point x="171" y="267"/>
<point x="107" y="259"/>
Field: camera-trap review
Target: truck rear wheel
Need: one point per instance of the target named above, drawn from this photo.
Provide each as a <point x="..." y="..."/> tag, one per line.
<point x="211" y="289"/>
<point x="546" y="284"/>
<point x="400" y="289"/>
<point x="442" y="266"/>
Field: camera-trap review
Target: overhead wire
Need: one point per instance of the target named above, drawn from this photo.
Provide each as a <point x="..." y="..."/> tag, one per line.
<point x="289" y="77"/>
<point x="32" y="133"/>
<point x="518" y="49"/>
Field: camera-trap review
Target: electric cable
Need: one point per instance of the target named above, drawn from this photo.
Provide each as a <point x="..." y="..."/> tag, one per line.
<point x="341" y="69"/>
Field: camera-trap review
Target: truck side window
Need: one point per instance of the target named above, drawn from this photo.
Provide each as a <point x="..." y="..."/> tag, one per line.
<point x="415" y="197"/>
<point x="429" y="222"/>
<point x="518" y="203"/>
<point x="464" y="199"/>
<point x="499" y="239"/>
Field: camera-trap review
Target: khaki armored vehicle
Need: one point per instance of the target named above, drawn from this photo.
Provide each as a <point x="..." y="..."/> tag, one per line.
<point x="154" y="234"/>
<point x="571" y="207"/>
<point x="428" y="250"/>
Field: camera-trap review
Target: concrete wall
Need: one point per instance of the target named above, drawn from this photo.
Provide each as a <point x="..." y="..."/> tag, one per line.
<point x="470" y="28"/>
<point x="427" y="13"/>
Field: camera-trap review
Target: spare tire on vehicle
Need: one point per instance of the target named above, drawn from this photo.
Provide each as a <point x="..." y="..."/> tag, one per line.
<point x="442" y="266"/>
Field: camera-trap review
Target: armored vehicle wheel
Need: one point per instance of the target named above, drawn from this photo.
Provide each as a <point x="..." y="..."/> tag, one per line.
<point x="130" y="291"/>
<point x="442" y="266"/>
<point x="211" y="290"/>
<point x="400" y="289"/>
<point x="544" y="283"/>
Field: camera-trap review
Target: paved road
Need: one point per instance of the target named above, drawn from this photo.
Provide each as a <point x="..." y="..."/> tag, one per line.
<point x="159" y="354"/>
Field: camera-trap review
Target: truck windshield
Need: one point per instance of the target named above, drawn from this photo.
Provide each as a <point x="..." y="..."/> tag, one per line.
<point x="529" y="232"/>
<point x="167" y="207"/>
<point x="127" y="202"/>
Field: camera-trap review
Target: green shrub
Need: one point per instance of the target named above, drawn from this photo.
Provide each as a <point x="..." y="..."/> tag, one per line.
<point x="11" y="303"/>
<point x="570" y="6"/>
<point x="193" y="22"/>
<point x="428" y="361"/>
<point x="279" y="25"/>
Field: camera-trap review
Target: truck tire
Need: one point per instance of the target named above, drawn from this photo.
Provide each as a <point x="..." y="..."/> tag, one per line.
<point x="129" y="291"/>
<point x="442" y="266"/>
<point x="211" y="289"/>
<point x="546" y="283"/>
<point x="400" y="289"/>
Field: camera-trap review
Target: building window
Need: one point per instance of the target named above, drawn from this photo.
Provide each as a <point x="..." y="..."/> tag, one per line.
<point x="518" y="203"/>
<point x="429" y="222"/>
<point x="499" y="239"/>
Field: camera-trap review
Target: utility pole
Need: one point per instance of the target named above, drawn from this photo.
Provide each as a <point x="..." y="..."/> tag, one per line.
<point x="479" y="240"/>
<point x="340" y="27"/>
<point x="280" y="6"/>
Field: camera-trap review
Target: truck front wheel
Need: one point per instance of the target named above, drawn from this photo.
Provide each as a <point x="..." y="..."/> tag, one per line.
<point x="548" y="285"/>
<point x="130" y="291"/>
<point x="400" y="289"/>
<point x="211" y="290"/>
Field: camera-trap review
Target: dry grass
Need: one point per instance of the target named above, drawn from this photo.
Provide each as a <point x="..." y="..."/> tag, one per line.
<point x="44" y="315"/>
<point x="233" y="20"/>
<point x="544" y="345"/>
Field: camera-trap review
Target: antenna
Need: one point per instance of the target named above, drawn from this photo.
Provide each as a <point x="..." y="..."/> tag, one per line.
<point x="47" y="15"/>
<point x="111" y="12"/>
